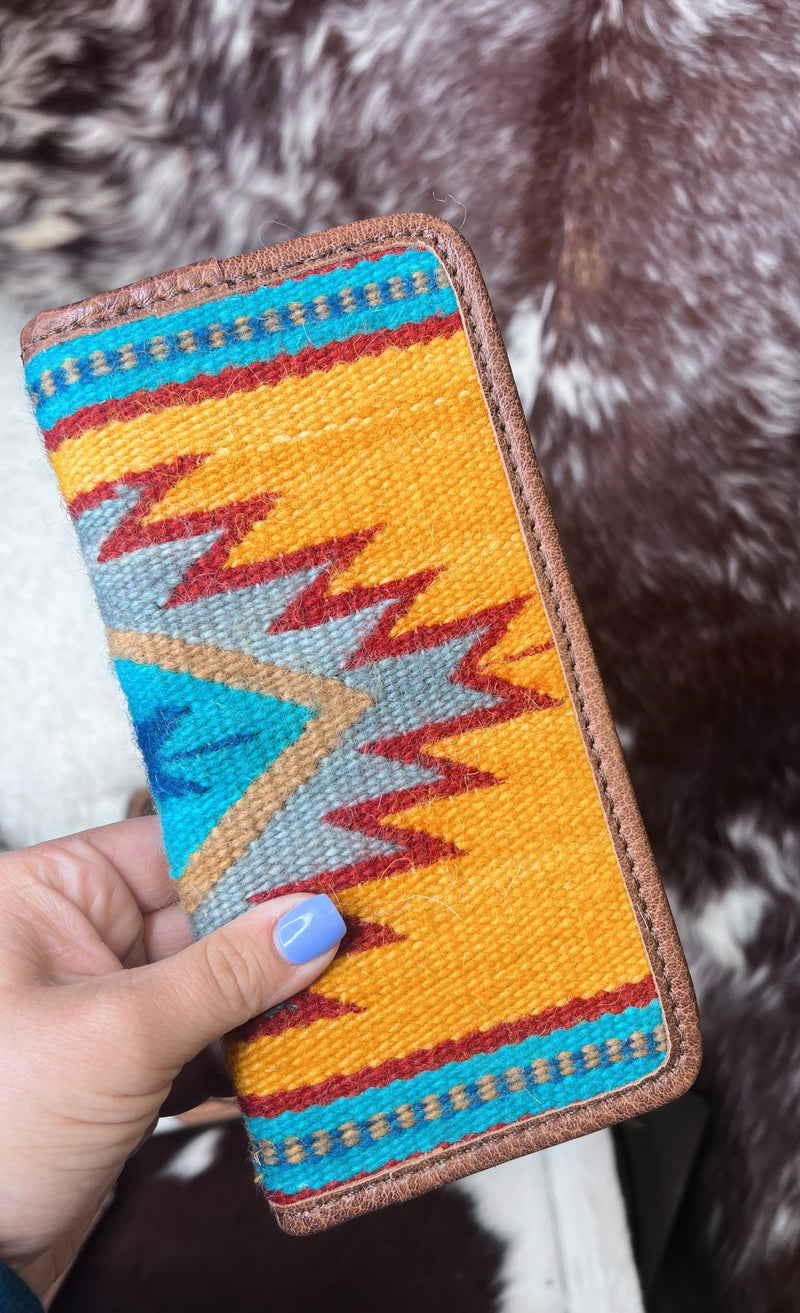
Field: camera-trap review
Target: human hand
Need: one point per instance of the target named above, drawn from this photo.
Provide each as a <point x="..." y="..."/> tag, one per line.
<point x="104" y="998"/>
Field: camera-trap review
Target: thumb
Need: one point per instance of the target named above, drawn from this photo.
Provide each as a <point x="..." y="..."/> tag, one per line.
<point x="263" y="957"/>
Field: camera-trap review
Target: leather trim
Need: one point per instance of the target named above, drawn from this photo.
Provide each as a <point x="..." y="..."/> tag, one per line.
<point x="188" y="286"/>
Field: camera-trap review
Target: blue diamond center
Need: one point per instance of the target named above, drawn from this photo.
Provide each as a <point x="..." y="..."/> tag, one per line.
<point x="204" y="743"/>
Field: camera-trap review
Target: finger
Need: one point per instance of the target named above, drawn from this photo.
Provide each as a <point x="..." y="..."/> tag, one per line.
<point x="173" y="1008"/>
<point x="71" y="905"/>
<point x="114" y="875"/>
<point x="135" y="849"/>
<point x="165" y="933"/>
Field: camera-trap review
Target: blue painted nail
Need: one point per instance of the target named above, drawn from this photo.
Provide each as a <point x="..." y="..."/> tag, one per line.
<point x="309" y="929"/>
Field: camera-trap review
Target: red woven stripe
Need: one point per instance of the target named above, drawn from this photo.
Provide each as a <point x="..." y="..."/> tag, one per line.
<point x="335" y="265"/>
<point x="246" y="378"/>
<point x="486" y="1041"/>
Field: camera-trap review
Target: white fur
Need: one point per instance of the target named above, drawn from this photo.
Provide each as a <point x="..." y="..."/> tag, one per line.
<point x="778" y="858"/>
<point x="586" y="394"/>
<point x="524" y="344"/>
<point x="67" y="758"/>
<point x="728" y="923"/>
<point x="784" y="1230"/>
<point x="561" y="1217"/>
<point x="195" y="1157"/>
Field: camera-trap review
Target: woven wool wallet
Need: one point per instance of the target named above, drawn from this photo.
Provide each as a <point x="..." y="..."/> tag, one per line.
<point x="338" y="609"/>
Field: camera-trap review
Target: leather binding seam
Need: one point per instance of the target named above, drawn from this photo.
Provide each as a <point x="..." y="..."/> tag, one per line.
<point x="499" y="422"/>
<point x="431" y="239"/>
<point x="445" y="1155"/>
<point x="262" y="276"/>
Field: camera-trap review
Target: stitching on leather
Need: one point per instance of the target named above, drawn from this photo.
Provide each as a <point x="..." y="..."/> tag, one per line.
<point x="468" y="1151"/>
<point x="261" y="275"/>
<point x="465" y="301"/>
<point x="500" y="423"/>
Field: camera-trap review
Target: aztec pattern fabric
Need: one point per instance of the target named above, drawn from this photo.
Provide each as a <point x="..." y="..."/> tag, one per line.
<point x="349" y="671"/>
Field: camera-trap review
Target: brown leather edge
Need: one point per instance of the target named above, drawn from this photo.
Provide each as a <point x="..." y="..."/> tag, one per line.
<point x="593" y="716"/>
<point x="637" y="865"/>
<point x="184" y="287"/>
<point x="191" y="285"/>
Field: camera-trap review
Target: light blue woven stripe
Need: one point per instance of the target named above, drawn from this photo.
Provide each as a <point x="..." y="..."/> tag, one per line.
<point x="343" y="1163"/>
<point x="180" y="366"/>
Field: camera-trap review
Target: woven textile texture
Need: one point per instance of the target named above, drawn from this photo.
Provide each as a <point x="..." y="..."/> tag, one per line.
<point x="342" y="679"/>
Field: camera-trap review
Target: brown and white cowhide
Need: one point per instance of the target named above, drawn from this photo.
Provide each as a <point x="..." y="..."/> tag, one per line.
<point x="628" y="172"/>
<point x="187" y="1231"/>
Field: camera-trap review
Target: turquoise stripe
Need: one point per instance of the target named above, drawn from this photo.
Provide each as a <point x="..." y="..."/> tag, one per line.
<point x="247" y="303"/>
<point x="178" y="366"/>
<point x="358" y="1107"/>
<point x="451" y="1129"/>
<point x="343" y="1162"/>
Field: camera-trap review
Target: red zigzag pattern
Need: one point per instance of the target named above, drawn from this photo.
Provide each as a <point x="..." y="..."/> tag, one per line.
<point x="314" y="606"/>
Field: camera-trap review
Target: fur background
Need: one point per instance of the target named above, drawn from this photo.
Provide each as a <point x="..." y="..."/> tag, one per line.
<point x="628" y="174"/>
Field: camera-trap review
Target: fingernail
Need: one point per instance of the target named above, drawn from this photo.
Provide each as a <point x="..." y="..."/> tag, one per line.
<point x="309" y="929"/>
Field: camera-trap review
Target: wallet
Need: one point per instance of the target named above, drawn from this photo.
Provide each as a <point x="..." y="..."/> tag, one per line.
<point x="336" y="603"/>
